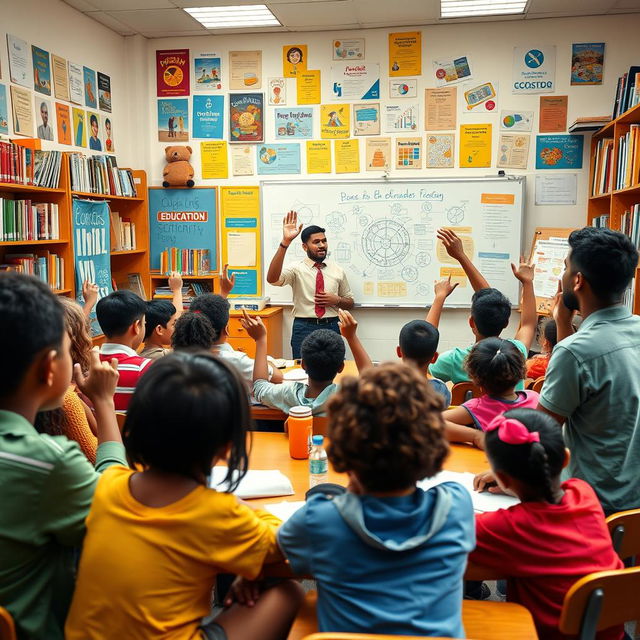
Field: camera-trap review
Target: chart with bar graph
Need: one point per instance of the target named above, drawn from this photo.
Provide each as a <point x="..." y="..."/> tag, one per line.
<point x="401" y="118"/>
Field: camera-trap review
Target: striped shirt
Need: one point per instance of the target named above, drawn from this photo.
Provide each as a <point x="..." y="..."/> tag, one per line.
<point x="130" y="367"/>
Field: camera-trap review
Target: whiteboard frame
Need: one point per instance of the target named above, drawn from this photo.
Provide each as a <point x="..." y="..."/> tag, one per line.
<point x="522" y="179"/>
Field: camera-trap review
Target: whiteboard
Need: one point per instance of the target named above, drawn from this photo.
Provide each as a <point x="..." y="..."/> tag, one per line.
<point x="383" y="233"/>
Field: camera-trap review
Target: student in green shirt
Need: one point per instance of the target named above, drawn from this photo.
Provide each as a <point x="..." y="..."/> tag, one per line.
<point x="490" y="312"/>
<point x="46" y="483"/>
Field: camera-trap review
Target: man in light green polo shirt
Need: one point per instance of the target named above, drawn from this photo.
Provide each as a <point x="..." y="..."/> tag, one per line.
<point x="46" y="483"/>
<point x="592" y="384"/>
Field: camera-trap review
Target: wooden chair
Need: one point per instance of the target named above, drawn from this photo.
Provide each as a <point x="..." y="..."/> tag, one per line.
<point x="7" y="628"/>
<point x="624" y="528"/>
<point x="599" y="601"/>
<point x="463" y="391"/>
<point x="120" y="417"/>
<point x="537" y="384"/>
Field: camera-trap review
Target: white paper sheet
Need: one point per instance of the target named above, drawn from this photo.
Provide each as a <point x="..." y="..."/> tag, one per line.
<point x="241" y="248"/>
<point x="284" y="510"/>
<point x="557" y="189"/>
<point x="256" y="484"/>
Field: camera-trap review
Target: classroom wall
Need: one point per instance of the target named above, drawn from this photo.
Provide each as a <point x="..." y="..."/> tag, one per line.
<point x="60" y="29"/>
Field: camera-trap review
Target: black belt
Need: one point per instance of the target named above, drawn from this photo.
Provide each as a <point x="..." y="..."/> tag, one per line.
<point x="319" y="320"/>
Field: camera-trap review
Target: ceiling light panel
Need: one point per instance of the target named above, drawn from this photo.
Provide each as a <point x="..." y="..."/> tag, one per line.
<point x="470" y="8"/>
<point x="254" y="15"/>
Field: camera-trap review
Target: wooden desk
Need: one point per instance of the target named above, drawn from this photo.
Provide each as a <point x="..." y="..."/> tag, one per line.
<point x="240" y="340"/>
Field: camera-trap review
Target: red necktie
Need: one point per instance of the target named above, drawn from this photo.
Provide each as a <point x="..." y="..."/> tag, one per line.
<point x="320" y="310"/>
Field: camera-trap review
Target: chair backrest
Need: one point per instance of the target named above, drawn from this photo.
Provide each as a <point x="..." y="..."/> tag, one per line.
<point x="7" y="628"/>
<point x="120" y="417"/>
<point x="320" y="425"/>
<point x="463" y="391"/>
<point x="624" y="528"/>
<point x="537" y="384"/>
<point x="599" y="601"/>
<point x="362" y="636"/>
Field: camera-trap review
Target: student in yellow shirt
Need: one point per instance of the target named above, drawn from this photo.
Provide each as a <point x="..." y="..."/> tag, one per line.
<point x="157" y="538"/>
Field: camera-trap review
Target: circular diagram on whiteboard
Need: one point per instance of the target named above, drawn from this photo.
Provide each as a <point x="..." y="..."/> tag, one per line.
<point x="423" y="259"/>
<point x="409" y="274"/>
<point x="455" y="215"/>
<point x="385" y="243"/>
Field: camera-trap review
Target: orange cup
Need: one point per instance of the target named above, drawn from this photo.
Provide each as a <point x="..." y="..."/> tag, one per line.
<point x="299" y="425"/>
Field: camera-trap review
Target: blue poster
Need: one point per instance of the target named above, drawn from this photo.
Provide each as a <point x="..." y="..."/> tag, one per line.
<point x="246" y="283"/>
<point x="4" y="113"/>
<point x="208" y="117"/>
<point x="185" y="219"/>
<point x="92" y="250"/>
<point x="296" y="122"/>
<point x="207" y="73"/>
<point x="274" y="159"/>
<point x="559" y="152"/>
<point x="90" y="87"/>
<point x="41" y="70"/>
<point x="173" y="120"/>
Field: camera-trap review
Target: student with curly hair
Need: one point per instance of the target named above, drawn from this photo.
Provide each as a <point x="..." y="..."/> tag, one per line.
<point x="388" y="557"/>
<point x="193" y="331"/>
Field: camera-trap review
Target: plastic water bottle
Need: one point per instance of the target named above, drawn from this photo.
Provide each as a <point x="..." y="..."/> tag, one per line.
<point x="318" y="463"/>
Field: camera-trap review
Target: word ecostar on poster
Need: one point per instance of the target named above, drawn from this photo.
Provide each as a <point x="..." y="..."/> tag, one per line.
<point x="534" y="69"/>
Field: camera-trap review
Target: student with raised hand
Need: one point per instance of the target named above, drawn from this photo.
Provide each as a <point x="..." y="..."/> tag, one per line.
<point x="348" y="326"/>
<point x="496" y="366"/>
<point x="157" y="536"/>
<point x="592" y="384"/>
<point x="554" y="537"/>
<point x="46" y="483"/>
<point x="388" y="557"/>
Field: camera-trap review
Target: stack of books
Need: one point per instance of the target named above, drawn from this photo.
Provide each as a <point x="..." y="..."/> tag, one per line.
<point x="589" y="123"/>
<point x="49" y="267"/>
<point x="601" y="222"/>
<point x="23" y="165"/>
<point x="100" y="174"/>
<point x="628" y="173"/>
<point x="189" y="292"/>
<point x="191" y="262"/>
<point x="24" y="220"/>
<point x="603" y="167"/>
<point x="123" y="233"/>
<point x="630" y="224"/>
<point x="627" y="92"/>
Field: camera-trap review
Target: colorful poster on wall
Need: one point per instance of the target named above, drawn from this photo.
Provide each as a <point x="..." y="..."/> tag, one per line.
<point x="214" y="160"/>
<point x="93" y="121"/>
<point x="4" y="110"/>
<point x="318" y="156"/>
<point x="335" y="121"/>
<point x="378" y="154"/>
<point x="242" y="160"/>
<point x="559" y="152"/>
<point x="408" y="153"/>
<point x="294" y="59"/>
<point x="63" y="122"/>
<point x="22" y="111"/>
<point x="44" y="118"/>
<point x="447" y="71"/>
<point x="405" y="54"/>
<point x="240" y="214"/>
<point x="76" y="88"/>
<point x="185" y="219"/>
<point x="172" y="73"/>
<point x="440" y="108"/>
<point x="348" y="49"/>
<point x="479" y="97"/>
<point x="109" y="144"/>
<point x="587" y="63"/>
<point x="20" y="70"/>
<point x="104" y="92"/>
<point x="79" y="128"/>
<point x="296" y="122"/>
<point x="41" y="70"/>
<point x="276" y="159"/>
<point x="553" y="114"/>
<point x="308" y="89"/>
<point x="366" y="119"/>
<point x="90" y="91"/>
<point x="92" y="250"/>
<point x="516" y="120"/>
<point x="277" y="91"/>
<point x="401" y="117"/>
<point x="403" y="88"/>
<point x="245" y="69"/>
<point x="439" y="151"/>
<point x="246" y="117"/>
<point x="534" y="69"/>
<point x="513" y="151"/>
<point x="60" y="77"/>
<point x="475" y="145"/>
<point x="355" y="81"/>
<point x="207" y="72"/>
<point x="173" y="120"/>
<point x="208" y="117"/>
<point x="347" y="153"/>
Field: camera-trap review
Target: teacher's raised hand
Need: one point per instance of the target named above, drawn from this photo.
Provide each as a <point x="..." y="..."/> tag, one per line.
<point x="290" y="228"/>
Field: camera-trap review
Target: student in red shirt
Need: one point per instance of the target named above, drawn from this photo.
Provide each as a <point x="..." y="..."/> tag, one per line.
<point x="554" y="537"/>
<point x="121" y="317"/>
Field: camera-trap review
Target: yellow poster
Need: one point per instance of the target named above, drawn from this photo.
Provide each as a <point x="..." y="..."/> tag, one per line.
<point x="79" y="128"/>
<point x="347" y="156"/>
<point x="335" y="120"/>
<point x="240" y="201"/>
<point x="405" y="54"/>
<point x="294" y="60"/>
<point x="475" y="145"/>
<point x="308" y="87"/>
<point x="318" y="156"/>
<point x="213" y="159"/>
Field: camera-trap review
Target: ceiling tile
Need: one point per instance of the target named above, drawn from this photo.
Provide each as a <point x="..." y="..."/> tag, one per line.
<point x="154" y="20"/>
<point x="112" y="23"/>
<point x="409" y="12"/>
<point x="621" y="5"/>
<point x="569" y="7"/>
<point x="83" y="5"/>
<point x="312" y="15"/>
<point x="130" y="5"/>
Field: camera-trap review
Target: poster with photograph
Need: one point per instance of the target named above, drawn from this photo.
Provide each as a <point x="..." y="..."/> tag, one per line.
<point x="22" y="111"/>
<point x="90" y="92"/>
<point x="104" y="92"/>
<point x="277" y="91"/>
<point x="173" y="120"/>
<point x="4" y="110"/>
<point x="294" y="59"/>
<point x="295" y="122"/>
<point x="44" y="118"/>
<point x="439" y="151"/>
<point x="246" y="117"/>
<point x="348" y="49"/>
<point x="20" y="70"/>
<point x="208" y="117"/>
<point x="559" y="152"/>
<point x="172" y="73"/>
<point x="587" y="63"/>
<point x="41" y="70"/>
<point x="534" y="69"/>
<point x="245" y="69"/>
<point x="95" y="142"/>
<point x="63" y="122"/>
<point x="366" y="119"/>
<point x="207" y="72"/>
<point x="79" y="128"/>
<point x="76" y="88"/>
<point x="109" y="145"/>
<point x="405" y="54"/>
<point x="448" y="71"/>
<point x="403" y="88"/>
<point x="275" y="159"/>
<point x="335" y="121"/>
<point x="60" y="77"/>
<point x="355" y="81"/>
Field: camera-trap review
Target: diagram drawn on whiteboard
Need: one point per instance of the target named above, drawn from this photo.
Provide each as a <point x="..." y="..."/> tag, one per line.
<point x="386" y="243"/>
<point x="455" y="215"/>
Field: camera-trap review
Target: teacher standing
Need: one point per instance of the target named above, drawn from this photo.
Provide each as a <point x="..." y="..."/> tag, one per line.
<point x="319" y="287"/>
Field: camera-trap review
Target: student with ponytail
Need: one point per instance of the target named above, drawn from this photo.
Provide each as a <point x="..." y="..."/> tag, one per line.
<point x="555" y="536"/>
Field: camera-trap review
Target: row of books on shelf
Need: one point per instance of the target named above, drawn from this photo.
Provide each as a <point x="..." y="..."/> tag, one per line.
<point x="628" y="172"/>
<point x="100" y="174"/>
<point x="49" y="267"/>
<point x="27" y="220"/>
<point x="23" y="165"/>
<point x="602" y="179"/>
<point x="189" y="291"/>
<point x="601" y="222"/>
<point x="630" y="224"/>
<point x="123" y="233"/>
<point x="192" y="262"/>
<point x="627" y="92"/>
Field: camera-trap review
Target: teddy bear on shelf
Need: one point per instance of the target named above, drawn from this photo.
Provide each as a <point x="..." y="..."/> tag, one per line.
<point x="178" y="171"/>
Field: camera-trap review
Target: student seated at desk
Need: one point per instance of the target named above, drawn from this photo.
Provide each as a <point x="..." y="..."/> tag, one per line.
<point x="537" y="366"/>
<point x="157" y="538"/>
<point x="193" y="331"/>
<point x="554" y="537"/>
<point x="388" y="557"/>
<point x="490" y="312"/>
<point x="496" y="366"/>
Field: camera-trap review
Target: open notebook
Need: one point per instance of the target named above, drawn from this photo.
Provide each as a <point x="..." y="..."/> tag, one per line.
<point x="255" y="484"/>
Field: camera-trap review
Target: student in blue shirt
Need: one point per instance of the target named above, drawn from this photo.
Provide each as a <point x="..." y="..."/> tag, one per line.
<point x="388" y="557"/>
